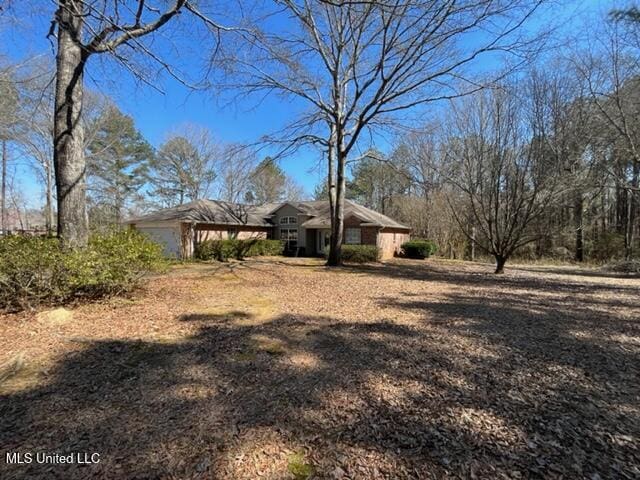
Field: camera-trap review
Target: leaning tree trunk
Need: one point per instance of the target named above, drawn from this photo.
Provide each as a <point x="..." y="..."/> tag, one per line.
<point x="68" y="158"/>
<point x="500" y="262"/>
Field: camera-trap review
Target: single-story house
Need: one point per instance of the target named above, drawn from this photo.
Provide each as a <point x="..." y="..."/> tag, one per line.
<point x="304" y="226"/>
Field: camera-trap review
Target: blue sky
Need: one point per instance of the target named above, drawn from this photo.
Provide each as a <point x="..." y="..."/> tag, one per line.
<point x="231" y="121"/>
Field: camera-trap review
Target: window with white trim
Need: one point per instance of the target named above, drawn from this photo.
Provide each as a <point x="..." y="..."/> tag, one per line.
<point x="288" y="221"/>
<point x="290" y="237"/>
<point x="352" y="236"/>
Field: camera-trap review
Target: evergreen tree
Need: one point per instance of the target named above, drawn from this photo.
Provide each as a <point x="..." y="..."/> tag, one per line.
<point x="267" y="182"/>
<point x="375" y="183"/>
<point x="118" y="159"/>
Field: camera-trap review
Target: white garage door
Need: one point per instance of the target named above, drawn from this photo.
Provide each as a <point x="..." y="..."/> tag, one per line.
<point x="168" y="237"/>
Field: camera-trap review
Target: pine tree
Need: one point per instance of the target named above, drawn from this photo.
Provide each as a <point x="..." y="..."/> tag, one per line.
<point x="118" y="159"/>
<point x="267" y="182"/>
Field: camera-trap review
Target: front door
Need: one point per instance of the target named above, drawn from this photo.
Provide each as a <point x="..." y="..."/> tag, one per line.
<point x="322" y="240"/>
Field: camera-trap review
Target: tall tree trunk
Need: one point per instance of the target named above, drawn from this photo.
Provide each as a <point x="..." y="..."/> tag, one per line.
<point x="579" y="227"/>
<point x="632" y="201"/>
<point x="332" y="259"/>
<point x="337" y="220"/>
<point x="473" y="244"/>
<point x="49" y="199"/>
<point x="500" y="262"/>
<point x="3" y="206"/>
<point x="69" y="158"/>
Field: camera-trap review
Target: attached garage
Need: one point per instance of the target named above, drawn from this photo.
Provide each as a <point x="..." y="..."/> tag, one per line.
<point x="179" y="229"/>
<point x="168" y="235"/>
<point x="305" y="226"/>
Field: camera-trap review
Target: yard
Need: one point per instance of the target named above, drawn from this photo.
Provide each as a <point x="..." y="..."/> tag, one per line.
<point x="283" y="369"/>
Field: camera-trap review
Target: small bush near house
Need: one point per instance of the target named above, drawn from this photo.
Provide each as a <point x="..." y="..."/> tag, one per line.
<point x="222" y="250"/>
<point x="114" y="262"/>
<point x="360" y="253"/>
<point x="419" y="248"/>
<point x="261" y="247"/>
<point x="36" y="271"/>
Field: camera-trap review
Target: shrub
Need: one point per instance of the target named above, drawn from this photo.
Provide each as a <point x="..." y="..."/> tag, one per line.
<point x="419" y="248"/>
<point x="262" y="247"/>
<point x="631" y="267"/>
<point x="35" y="270"/>
<point x="360" y="253"/>
<point x="222" y="250"/>
<point x="32" y="271"/>
<point x="114" y="262"/>
<point x="607" y="247"/>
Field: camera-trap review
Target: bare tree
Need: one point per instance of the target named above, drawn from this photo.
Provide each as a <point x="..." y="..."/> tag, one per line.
<point x="609" y="71"/>
<point x="36" y="131"/>
<point x="85" y="29"/>
<point x="425" y="166"/>
<point x="293" y="191"/>
<point x="359" y="65"/>
<point x="184" y="168"/>
<point x="499" y="161"/>
<point x="235" y="167"/>
<point x="9" y="101"/>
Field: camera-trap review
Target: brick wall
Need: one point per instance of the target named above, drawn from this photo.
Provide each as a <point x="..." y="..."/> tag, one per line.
<point x="369" y="235"/>
<point x="390" y="241"/>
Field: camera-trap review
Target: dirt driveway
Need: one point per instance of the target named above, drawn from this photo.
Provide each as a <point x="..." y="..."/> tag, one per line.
<point x="285" y="369"/>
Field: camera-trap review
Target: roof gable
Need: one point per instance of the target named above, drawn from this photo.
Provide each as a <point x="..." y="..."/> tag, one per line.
<point x="208" y="211"/>
<point x="352" y="209"/>
<point x="227" y="213"/>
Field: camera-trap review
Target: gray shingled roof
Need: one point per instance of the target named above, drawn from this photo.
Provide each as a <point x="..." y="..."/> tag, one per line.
<point x="322" y="218"/>
<point x="226" y="213"/>
<point x="211" y="211"/>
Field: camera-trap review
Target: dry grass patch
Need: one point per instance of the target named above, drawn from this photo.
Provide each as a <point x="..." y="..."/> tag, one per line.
<point x="277" y="368"/>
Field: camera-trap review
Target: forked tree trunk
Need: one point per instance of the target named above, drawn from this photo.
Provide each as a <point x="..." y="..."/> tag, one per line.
<point x="68" y="157"/>
<point x="500" y="262"/>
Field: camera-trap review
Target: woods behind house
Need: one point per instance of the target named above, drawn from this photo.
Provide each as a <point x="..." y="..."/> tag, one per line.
<point x="534" y="157"/>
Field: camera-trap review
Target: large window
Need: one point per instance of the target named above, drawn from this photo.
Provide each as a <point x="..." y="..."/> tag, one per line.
<point x="288" y="221"/>
<point x="352" y="236"/>
<point x="290" y="236"/>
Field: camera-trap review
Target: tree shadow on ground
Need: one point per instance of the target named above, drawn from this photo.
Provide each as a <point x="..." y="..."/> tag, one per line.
<point x="485" y="278"/>
<point x="478" y="388"/>
<point x="580" y="272"/>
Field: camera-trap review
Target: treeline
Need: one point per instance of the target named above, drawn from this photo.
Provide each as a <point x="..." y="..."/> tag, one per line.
<point x="126" y="175"/>
<point x="521" y="155"/>
<point x="543" y="164"/>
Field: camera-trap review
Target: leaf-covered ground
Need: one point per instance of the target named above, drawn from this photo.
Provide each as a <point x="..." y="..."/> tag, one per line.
<point x="285" y="369"/>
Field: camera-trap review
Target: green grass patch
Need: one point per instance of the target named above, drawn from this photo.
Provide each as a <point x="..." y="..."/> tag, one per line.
<point x="298" y="467"/>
